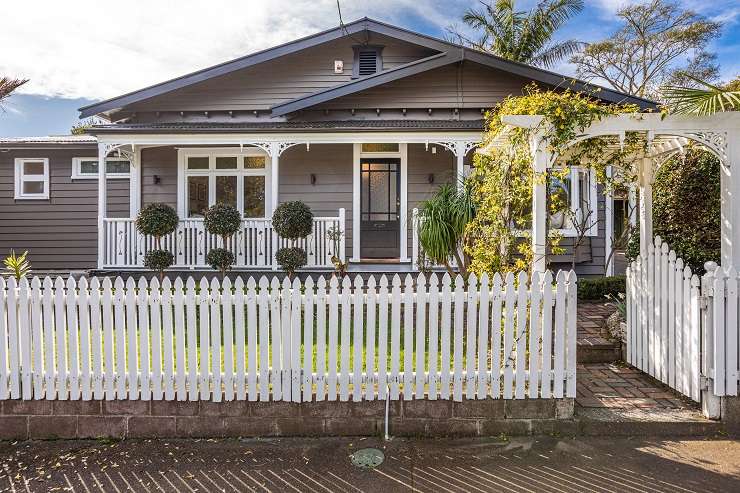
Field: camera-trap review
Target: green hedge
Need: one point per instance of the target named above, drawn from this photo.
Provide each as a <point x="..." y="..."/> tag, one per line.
<point x="597" y="288"/>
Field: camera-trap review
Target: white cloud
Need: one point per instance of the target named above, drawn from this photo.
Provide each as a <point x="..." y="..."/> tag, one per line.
<point x="100" y="49"/>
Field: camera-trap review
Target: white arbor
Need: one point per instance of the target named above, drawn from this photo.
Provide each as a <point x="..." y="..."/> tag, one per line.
<point x="666" y="136"/>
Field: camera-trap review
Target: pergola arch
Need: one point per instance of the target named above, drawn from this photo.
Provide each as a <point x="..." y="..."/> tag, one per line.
<point x="666" y="135"/>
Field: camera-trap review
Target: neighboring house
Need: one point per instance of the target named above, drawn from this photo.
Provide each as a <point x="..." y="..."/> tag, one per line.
<point x="361" y="123"/>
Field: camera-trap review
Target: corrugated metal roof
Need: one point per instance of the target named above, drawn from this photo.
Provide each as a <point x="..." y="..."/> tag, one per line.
<point x="344" y="125"/>
<point x="50" y="139"/>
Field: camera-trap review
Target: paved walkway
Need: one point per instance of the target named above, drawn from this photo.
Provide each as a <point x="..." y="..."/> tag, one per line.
<point x="591" y="319"/>
<point x="323" y="465"/>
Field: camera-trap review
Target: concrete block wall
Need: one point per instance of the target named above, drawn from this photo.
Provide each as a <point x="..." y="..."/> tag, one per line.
<point x="42" y="419"/>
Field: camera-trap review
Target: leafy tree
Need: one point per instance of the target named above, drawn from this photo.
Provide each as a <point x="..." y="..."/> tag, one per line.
<point x="659" y="43"/>
<point x="292" y="221"/>
<point x="157" y="220"/>
<point x="442" y="225"/>
<point x="223" y="220"/>
<point x="521" y="36"/>
<point x="7" y="86"/>
<point x="705" y="99"/>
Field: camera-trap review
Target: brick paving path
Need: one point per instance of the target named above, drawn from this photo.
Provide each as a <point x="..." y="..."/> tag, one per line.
<point x="616" y="385"/>
<point x="591" y="321"/>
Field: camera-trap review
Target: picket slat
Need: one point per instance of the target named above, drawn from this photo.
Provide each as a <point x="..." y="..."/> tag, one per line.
<point x="507" y="357"/>
<point x="471" y="332"/>
<point x="85" y="350"/>
<point x="210" y="340"/>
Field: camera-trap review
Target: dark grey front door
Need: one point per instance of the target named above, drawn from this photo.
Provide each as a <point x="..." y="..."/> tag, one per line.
<point x="380" y="200"/>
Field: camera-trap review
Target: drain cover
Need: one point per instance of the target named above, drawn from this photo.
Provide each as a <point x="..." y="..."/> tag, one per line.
<point x="367" y="458"/>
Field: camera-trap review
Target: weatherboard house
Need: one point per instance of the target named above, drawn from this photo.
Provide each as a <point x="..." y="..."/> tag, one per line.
<point x="361" y="122"/>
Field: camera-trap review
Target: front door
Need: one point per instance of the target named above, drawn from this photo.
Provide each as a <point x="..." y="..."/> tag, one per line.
<point x="380" y="199"/>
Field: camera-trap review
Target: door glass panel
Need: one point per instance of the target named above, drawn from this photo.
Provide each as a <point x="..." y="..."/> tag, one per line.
<point x="254" y="162"/>
<point x="197" y="195"/>
<point x="33" y="168"/>
<point x="31" y="187"/>
<point x="226" y="162"/>
<point x="254" y="196"/>
<point x="379" y="194"/>
<point x="379" y="147"/>
<point x="198" y="162"/>
<point x="226" y="190"/>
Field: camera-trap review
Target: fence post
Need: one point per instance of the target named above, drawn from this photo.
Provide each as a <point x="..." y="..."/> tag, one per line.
<point x="342" y="227"/>
<point x="414" y="239"/>
<point x="710" y="403"/>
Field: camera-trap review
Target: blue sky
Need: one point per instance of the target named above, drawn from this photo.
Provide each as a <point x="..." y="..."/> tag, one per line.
<point x="72" y="58"/>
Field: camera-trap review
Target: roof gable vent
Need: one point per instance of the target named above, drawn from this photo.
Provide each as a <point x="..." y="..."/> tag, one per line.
<point x="367" y="61"/>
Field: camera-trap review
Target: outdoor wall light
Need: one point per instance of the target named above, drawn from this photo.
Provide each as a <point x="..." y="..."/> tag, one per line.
<point x="157" y="179"/>
<point x="430" y="178"/>
<point x="313" y="179"/>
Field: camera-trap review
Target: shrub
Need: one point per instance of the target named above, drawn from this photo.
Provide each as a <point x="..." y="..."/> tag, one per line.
<point x="223" y="220"/>
<point x="687" y="209"/>
<point x="17" y="266"/>
<point x="293" y="220"/>
<point x="598" y="288"/>
<point x="158" y="260"/>
<point x="290" y="259"/>
<point x="220" y="259"/>
<point x="157" y="220"/>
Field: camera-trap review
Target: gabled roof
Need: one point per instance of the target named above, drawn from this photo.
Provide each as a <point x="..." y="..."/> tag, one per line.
<point x="364" y="24"/>
<point x="448" y="53"/>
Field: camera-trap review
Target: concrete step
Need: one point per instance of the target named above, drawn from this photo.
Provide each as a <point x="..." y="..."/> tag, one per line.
<point x="606" y="352"/>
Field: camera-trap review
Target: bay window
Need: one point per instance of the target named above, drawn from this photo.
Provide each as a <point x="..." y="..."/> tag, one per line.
<point x="235" y="177"/>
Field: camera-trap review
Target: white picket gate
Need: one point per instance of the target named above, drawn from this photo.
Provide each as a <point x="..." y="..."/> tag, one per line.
<point x="260" y="340"/>
<point x="680" y="329"/>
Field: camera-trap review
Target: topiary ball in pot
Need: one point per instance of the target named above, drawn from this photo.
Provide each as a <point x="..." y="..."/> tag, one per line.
<point x="157" y="220"/>
<point x="223" y="220"/>
<point x="291" y="258"/>
<point x="158" y="260"/>
<point x="220" y="259"/>
<point x="293" y="220"/>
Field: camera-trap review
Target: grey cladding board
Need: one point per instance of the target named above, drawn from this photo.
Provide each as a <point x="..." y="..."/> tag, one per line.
<point x="59" y="233"/>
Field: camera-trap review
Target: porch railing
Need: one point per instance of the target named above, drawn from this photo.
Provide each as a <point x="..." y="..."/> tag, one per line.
<point x="254" y="245"/>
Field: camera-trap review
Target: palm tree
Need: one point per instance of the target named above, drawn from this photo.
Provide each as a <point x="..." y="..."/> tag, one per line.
<point x="522" y="36"/>
<point x="703" y="100"/>
<point x="8" y="85"/>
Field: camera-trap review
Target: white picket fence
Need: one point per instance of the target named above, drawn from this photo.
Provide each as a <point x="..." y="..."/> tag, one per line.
<point x="254" y="245"/>
<point x="680" y="329"/>
<point x="722" y="324"/>
<point x="260" y="340"/>
<point x="663" y="319"/>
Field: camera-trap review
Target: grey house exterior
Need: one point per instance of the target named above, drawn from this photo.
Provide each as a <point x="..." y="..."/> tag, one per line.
<point x="361" y="123"/>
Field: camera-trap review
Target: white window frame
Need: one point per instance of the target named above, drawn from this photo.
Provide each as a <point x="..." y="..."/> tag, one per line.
<point x="20" y="178"/>
<point x="77" y="173"/>
<point x="575" y="202"/>
<point x="240" y="172"/>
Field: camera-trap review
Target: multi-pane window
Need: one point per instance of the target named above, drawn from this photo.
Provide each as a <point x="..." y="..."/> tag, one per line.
<point x="573" y="201"/>
<point x="238" y="179"/>
<point x="31" y="178"/>
<point x="87" y="167"/>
